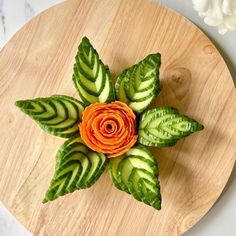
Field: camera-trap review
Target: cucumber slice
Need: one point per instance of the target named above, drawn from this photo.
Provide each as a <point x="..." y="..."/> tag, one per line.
<point x="134" y="187"/>
<point x="91" y="77"/>
<point x="58" y="115"/>
<point x="148" y="191"/>
<point x="98" y="165"/>
<point x="139" y="150"/>
<point x="73" y="101"/>
<point x="113" y="170"/>
<point x="136" y="172"/>
<point x="34" y="107"/>
<point x="77" y="167"/>
<point x="147" y="139"/>
<point x="139" y="85"/>
<point x="45" y="111"/>
<point x="60" y="110"/>
<point x="164" y="126"/>
<point x="86" y="165"/>
<point x="69" y="151"/>
<point x="124" y="170"/>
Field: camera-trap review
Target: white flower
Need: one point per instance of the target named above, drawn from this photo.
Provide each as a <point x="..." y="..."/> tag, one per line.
<point x="220" y="13"/>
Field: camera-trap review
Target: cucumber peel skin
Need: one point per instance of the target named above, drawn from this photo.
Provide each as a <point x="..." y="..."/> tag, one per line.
<point x="136" y="172"/>
<point x="139" y="85"/>
<point x="77" y="167"/>
<point x="58" y="115"/>
<point x="91" y="77"/>
<point x="164" y="126"/>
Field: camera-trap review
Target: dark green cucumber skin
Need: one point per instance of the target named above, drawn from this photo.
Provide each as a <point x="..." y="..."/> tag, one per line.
<point x="173" y="117"/>
<point x="135" y="188"/>
<point x="128" y="78"/>
<point x="71" y="154"/>
<point x="80" y="76"/>
<point x="67" y="131"/>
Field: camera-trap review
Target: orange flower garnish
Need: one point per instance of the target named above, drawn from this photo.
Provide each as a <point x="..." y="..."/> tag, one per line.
<point x="109" y="128"/>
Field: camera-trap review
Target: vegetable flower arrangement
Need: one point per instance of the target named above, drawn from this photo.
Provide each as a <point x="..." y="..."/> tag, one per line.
<point x="109" y="127"/>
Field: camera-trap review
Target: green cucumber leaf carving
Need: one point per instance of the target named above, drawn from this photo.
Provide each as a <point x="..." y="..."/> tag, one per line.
<point x="77" y="167"/>
<point x="58" y="115"/>
<point x="91" y="77"/>
<point x="139" y="85"/>
<point x="164" y="126"/>
<point x="136" y="172"/>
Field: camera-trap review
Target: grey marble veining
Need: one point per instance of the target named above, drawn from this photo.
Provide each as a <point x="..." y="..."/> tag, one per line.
<point x="2" y="25"/>
<point x="15" y="13"/>
<point x="29" y="11"/>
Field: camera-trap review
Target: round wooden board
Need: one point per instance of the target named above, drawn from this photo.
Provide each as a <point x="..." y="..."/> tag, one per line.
<point x="38" y="61"/>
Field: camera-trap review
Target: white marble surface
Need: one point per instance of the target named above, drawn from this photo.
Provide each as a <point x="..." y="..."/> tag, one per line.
<point x="220" y="221"/>
<point x="15" y="13"/>
<point x="10" y="226"/>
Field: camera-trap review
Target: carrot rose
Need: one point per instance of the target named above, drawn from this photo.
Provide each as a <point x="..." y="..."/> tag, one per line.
<point x="109" y="128"/>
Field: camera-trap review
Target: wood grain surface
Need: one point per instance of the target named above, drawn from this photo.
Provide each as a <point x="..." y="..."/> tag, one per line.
<point x="38" y="61"/>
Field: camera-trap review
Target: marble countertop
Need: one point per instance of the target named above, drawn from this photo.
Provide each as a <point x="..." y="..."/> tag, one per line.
<point x="220" y="220"/>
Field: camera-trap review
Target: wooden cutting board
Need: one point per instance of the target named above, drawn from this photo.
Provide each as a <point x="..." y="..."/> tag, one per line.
<point x="38" y="61"/>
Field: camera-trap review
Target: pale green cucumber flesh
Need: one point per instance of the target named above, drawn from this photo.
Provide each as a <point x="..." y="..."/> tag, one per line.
<point x="77" y="167"/>
<point x="96" y="163"/>
<point x="139" y="150"/>
<point x="139" y="85"/>
<point x="91" y="77"/>
<point x="58" y="115"/>
<point x="76" y="103"/>
<point x="124" y="171"/>
<point x="164" y="126"/>
<point x="61" y="114"/>
<point x="136" y="172"/>
<point x="99" y="163"/>
<point x="113" y="170"/>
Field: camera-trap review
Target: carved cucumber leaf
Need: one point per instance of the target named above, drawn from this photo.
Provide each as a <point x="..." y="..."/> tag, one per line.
<point x="136" y="172"/>
<point x="139" y="85"/>
<point x="91" y="77"/>
<point x="164" y="126"/>
<point x="77" y="167"/>
<point x="58" y="115"/>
